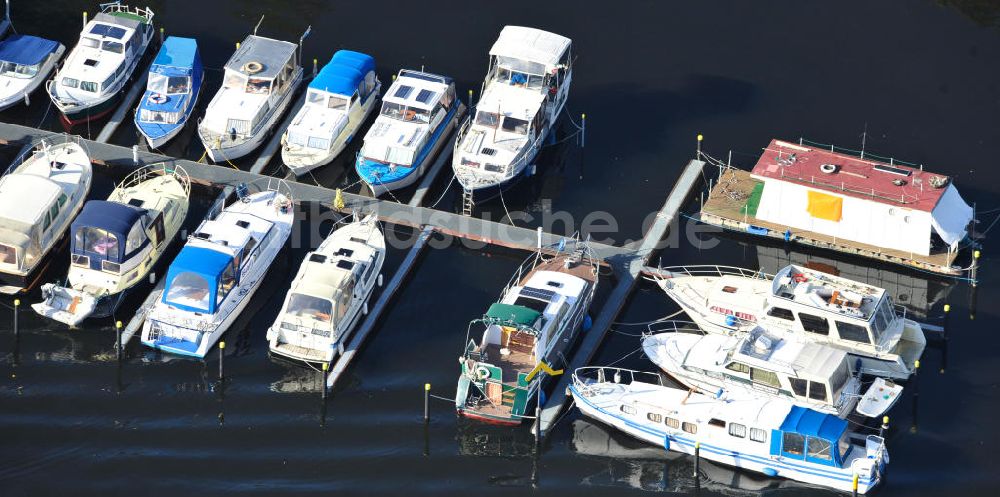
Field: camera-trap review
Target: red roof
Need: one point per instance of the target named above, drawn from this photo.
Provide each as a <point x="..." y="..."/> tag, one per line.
<point x="851" y="176"/>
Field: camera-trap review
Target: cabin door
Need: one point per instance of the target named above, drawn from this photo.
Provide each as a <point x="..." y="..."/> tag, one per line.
<point x="157" y="232"/>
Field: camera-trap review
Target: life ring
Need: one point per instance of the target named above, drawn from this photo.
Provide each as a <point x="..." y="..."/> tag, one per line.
<point x="800" y="278"/>
<point x="482" y="373"/>
<point x="157" y="98"/>
<point x="253" y="67"/>
<point x="828" y="168"/>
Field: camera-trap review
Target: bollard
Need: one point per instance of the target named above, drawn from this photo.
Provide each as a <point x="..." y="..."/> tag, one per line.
<point x="135" y="155"/>
<point x="118" y="340"/>
<point x="17" y="304"/>
<point x="27" y="101"/>
<point x="975" y="265"/>
<point x="539" y="238"/>
<point x="315" y="66"/>
<point x="427" y="399"/>
<point x="700" y="138"/>
<point x="470" y="100"/>
<point x="854" y="486"/>
<point x="237" y="45"/>
<point x="583" y="130"/>
<point x="947" y="316"/>
<point x="161" y="36"/>
<point x="326" y="369"/>
<point x="697" y="458"/>
<point x="885" y="426"/>
<point x="222" y="348"/>
<point x="85" y="19"/>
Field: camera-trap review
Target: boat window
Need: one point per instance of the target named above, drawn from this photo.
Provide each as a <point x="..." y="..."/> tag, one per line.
<point x="689" y="427"/>
<point x="344" y="298"/>
<point x="70" y="82"/>
<point x="817" y="391"/>
<point x="654" y="417"/>
<point x="108" y="30"/>
<point x="844" y="445"/>
<point x="729" y="289"/>
<point x="765" y="377"/>
<point x="18" y="71"/>
<point x="672" y="422"/>
<point x="369" y="267"/>
<point x="113" y="47"/>
<point x="315" y="97"/>
<point x="799" y="386"/>
<point x="88" y="86"/>
<point x="226" y="283"/>
<point x="781" y="313"/>
<point x="62" y="199"/>
<point x="106" y="85"/>
<point x="814" y="324"/>
<point x="488" y="119"/>
<point x="884" y="316"/>
<point x="793" y="444"/>
<point x="819" y="449"/>
<point x="8" y="254"/>
<point x="318" y="143"/>
<point x="188" y="289"/>
<point x="840" y="377"/>
<point x="513" y="125"/>
<point x="235" y="80"/>
<point x="97" y="241"/>
<point x="242" y="257"/>
<point x="739" y="367"/>
<point x="89" y="43"/>
<point x="513" y="75"/>
<point x="338" y="103"/>
<point x="259" y="86"/>
<point x="852" y="332"/>
<point x="717" y="422"/>
<point x="311" y="307"/>
<point x="758" y="435"/>
<point x="530" y="303"/>
<point x="627" y="409"/>
<point x="54" y="211"/>
<point x="136" y="237"/>
<point x="404" y="113"/>
<point x="737" y="430"/>
<point x="167" y="85"/>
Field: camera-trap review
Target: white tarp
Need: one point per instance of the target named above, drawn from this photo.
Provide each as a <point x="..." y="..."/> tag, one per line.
<point x="951" y="216"/>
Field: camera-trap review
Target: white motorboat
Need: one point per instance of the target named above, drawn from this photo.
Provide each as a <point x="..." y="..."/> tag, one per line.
<point x="91" y="79"/>
<point x="338" y="101"/>
<point x="524" y="92"/>
<point x="117" y="242"/>
<point x="756" y="363"/>
<point x="217" y="272"/>
<point x="258" y="83"/>
<point x="329" y="294"/>
<point x="38" y="199"/>
<point x="815" y="306"/>
<point x="25" y="62"/>
<point x="765" y="435"/>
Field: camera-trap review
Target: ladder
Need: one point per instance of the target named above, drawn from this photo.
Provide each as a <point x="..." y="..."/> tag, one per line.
<point x="467" y="202"/>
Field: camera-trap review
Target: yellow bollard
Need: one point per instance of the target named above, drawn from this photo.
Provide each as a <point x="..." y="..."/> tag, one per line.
<point x="427" y="398"/>
<point x="854" y="485"/>
<point x="237" y="45"/>
<point x="338" y="200"/>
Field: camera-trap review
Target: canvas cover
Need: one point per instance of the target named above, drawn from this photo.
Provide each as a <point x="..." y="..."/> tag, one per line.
<point x="515" y="314"/>
<point x="26" y="50"/>
<point x="824" y="206"/>
<point x="951" y="216"/>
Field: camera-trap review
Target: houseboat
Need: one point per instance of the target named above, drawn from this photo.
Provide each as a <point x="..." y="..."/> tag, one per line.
<point x="172" y="91"/>
<point x="329" y="294"/>
<point x="91" y="79"/>
<point x="524" y="92"/>
<point x="811" y="305"/>
<point x="39" y="197"/>
<point x="25" y="61"/>
<point x="833" y="199"/>
<point x="530" y="328"/>
<point x="258" y="84"/>
<point x="338" y="101"/>
<point x="215" y="275"/>
<point x="418" y="112"/>
<point x="117" y="242"/>
<point x="765" y="435"/>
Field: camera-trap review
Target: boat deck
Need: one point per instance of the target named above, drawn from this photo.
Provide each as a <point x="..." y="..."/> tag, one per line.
<point x="516" y="362"/>
<point x="724" y="208"/>
<point x="582" y="269"/>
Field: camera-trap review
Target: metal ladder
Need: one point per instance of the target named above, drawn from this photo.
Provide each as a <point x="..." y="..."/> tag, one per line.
<point x="467" y="202"/>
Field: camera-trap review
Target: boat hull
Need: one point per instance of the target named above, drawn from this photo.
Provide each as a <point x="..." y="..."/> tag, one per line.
<point x="92" y="112"/>
<point x="18" y="97"/>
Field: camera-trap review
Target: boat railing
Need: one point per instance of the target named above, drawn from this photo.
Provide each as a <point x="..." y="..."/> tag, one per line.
<point x="710" y="270"/>
<point x="159" y="169"/>
<point x="672" y="326"/>
<point x="117" y="7"/>
<point x="589" y="378"/>
<point x="464" y="129"/>
<point x="41" y="145"/>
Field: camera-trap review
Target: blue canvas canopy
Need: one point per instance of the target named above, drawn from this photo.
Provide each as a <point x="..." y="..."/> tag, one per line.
<point x="112" y="217"/>
<point x="343" y="73"/>
<point x="814" y="424"/>
<point x="177" y="57"/>
<point x="26" y="50"/>
<point x="202" y="262"/>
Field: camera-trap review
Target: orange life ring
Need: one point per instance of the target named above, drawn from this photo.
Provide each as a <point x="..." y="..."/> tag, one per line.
<point x="800" y="278"/>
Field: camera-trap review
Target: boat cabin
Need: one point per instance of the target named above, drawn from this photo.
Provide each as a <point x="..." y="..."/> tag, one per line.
<point x="108" y="236"/>
<point x="106" y="42"/>
<point x="323" y="297"/>
<point x="812" y="437"/>
<point x="175" y="73"/>
<point x="347" y="82"/>
<point x="260" y="72"/>
<point x="412" y="111"/>
<point x="22" y="56"/>
<point x="531" y="59"/>
<point x="30" y="208"/>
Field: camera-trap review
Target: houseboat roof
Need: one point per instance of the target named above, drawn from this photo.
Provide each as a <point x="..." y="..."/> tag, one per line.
<point x="177" y="52"/>
<point x="343" y="73"/>
<point x="867" y="179"/>
<point x="530" y="44"/>
<point x="272" y="55"/>
<point x="26" y="50"/>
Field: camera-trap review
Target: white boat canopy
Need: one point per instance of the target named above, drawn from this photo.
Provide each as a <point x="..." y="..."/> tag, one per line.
<point x="531" y="45"/>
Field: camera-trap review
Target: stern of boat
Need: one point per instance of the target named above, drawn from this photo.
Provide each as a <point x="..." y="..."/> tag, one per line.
<point x="484" y="396"/>
<point x="911" y="344"/>
<point x="66" y="305"/>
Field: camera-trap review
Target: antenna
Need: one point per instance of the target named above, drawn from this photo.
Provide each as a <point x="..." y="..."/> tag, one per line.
<point x="255" y="28"/>
<point x="864" y="138"/>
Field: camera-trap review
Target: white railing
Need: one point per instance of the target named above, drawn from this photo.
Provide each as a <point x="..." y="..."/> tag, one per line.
<point x="712" y="270"/>
<point x="159" y="169"/>
<point x="588" y="378"/>
<point x="672" y="326"/>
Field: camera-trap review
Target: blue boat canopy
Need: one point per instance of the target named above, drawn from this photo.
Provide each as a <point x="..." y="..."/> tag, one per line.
<point x="194" y="279"/>
<point x="814" y="424"/>
<point x="101" y="231"/>
<point x="344" y="73"/>
<point x="26" y="50"/>
<point x="177" y="57"/>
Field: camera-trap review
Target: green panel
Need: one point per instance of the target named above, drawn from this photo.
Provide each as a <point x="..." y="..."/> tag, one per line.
<point x="514" y="314"/>
<point x="754" y="200"/>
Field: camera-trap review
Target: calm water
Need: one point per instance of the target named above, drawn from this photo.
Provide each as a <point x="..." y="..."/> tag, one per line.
<point x="920" y="76"/>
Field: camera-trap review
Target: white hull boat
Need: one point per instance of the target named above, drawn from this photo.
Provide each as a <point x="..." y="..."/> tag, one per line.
<point x="25" y="62"/>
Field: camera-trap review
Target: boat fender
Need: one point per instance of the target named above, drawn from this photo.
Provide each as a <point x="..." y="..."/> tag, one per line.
<point x="588" y="323"/>
<point x="730" y="320"/>
<point x="541" y="397"/>
<point x="482" y="373"/>
<point x="770" y="472"/>
<point x="157" y="98"/>
<point x="253" y="67"/>
<point x="800" y="278"/>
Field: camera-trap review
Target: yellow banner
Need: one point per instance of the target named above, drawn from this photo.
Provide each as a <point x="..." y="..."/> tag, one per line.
<point x="823" y="206"/>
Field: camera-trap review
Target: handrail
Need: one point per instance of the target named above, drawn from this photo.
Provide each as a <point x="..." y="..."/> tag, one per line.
<point x="600" y="374"/>
<point x="671" y="326"/>
<point x="712" y="270"/>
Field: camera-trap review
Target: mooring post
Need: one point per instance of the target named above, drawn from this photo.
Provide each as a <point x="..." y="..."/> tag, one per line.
<point x="161" y="36"/>
<point x="17" y="304"/>
<point x="315" y="67"/>
<point x="538" y="425"/>
<point x="697" y="459"/>
<point x="854" y="486"/>
<point x="222" y="350"/>
<point x="697" y="155"/>
<point x="947" y="316"/>
<point x="326" y="369"/>
<point x="583" y="130"/>
<point x="85" y="19"/>
<point x="118" y="340"/>
<point x="470" y="100"/>
<point x="975" y="266"/>
<point x="538" y="238"/>
<point x="427" y="402"/>
<point x="885" y="426"/>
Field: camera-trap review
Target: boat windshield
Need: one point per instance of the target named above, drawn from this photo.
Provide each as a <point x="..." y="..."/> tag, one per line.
<point x="168" y="85"/>
<point x="331" y="101"/>
<point x="516" y="126"/>
<point x="88" y="42"/>
<point x="96" y="241"/>
<point x="259" y="86"/>
<point x="12" y="70"/>
<point x="882" y="318"/>
<point x="189" y="290"/>
<point x="519" y="79"/>
<point x="307" y="306"/>
<point x="404" y="113"/>
<point x="844" y="445"/>
<point x="840" y="377"/>
<point x="8" y="254"/>
<point x="235" y="81"/>
<point x="113" y="47"/>
<point x="488" y="119"/>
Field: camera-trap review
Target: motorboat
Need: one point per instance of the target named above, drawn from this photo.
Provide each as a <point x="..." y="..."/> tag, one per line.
<point x="25" y="62"/>
<point x="172" y="91"/>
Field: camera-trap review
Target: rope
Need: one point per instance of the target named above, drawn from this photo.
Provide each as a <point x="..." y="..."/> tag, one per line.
<point x="622" y="358"/>
<point x="506" y="212"/>
<point x="444" y="192"/>
<point x="647" y="323"/>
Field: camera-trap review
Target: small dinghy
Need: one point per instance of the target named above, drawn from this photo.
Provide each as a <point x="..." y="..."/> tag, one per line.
<point x="766" y="435"/>
<point x="172" y="91"/>
<point x="25" y="61"/>
<point x="38" y="200"/>
<point x="217" y="272"/>
<point x="338" y="102"/>
<point x="258" y="83"/>
<point x="91" y="79"/>
<point x="330" y="293"/>
<point x="117" y="242"/>
<point x="417" y="114"/>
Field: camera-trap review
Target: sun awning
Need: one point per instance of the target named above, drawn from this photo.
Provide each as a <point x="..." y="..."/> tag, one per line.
<point x="951" y="216"/>
<point x="514" y="314"/>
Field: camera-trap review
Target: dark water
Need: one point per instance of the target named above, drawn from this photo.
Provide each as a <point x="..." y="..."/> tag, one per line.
<point x="920" y="76"/>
